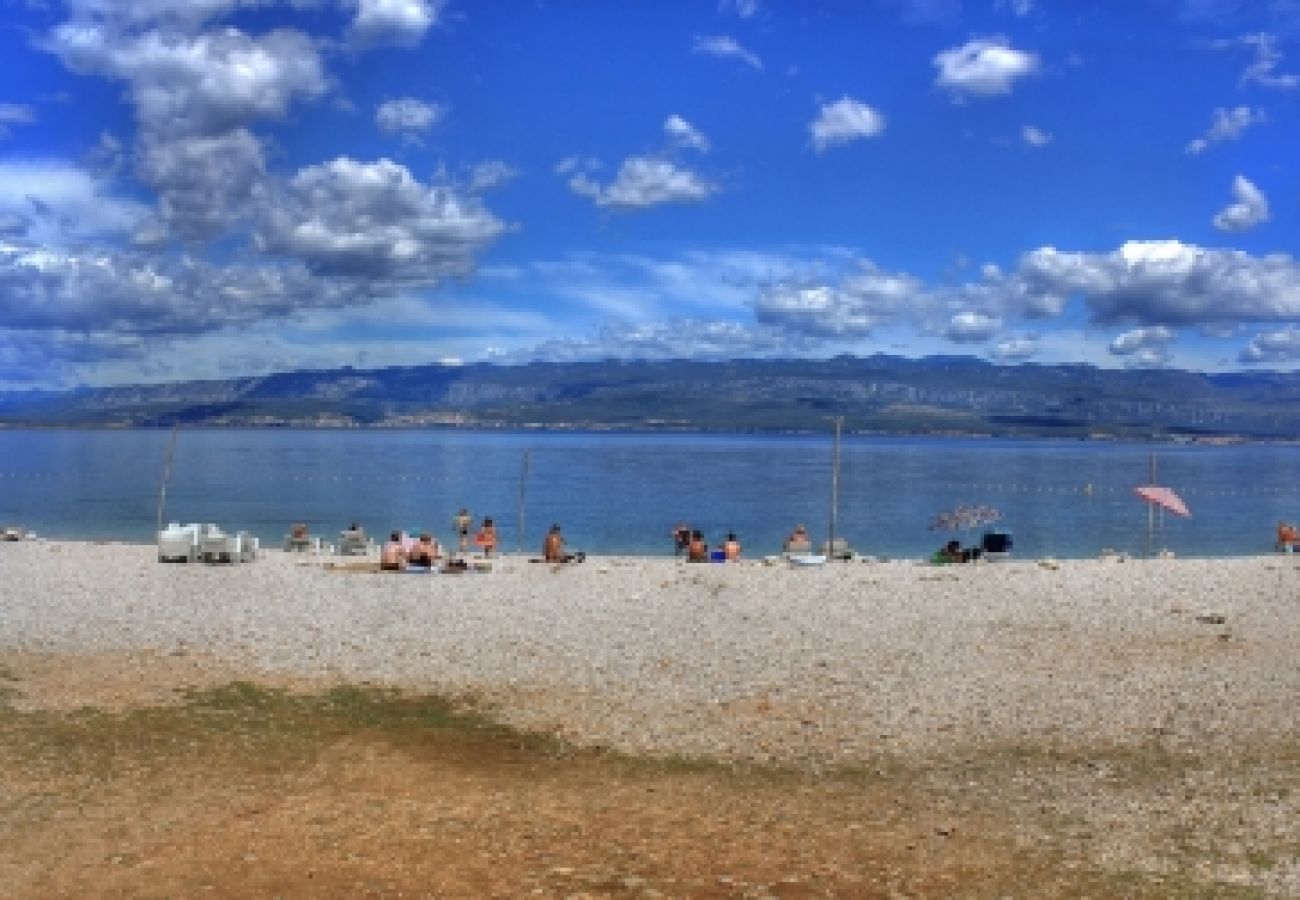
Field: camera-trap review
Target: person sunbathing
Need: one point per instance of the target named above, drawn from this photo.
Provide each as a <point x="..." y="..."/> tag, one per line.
<point x="425" y="552"/>
<point x="392" y="558"/>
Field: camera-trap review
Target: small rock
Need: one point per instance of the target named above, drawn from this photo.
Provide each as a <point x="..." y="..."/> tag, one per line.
<point x="1211" y="618"/>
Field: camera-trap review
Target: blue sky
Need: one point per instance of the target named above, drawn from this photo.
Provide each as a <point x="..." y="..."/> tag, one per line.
<point x="232" y="187"/>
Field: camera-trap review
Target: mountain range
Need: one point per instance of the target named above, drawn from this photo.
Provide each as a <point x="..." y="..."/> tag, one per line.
<point x="874" y="394"/>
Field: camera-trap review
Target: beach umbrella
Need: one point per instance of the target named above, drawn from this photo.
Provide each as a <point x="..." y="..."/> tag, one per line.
<point x="963" y="517"/>
<point x="1163" y="497"/>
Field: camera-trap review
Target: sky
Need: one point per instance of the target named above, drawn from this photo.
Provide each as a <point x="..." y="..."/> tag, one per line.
<point x="217" y="188"/>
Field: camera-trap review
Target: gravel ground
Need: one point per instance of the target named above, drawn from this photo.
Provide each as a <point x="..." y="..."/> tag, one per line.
<point x="841" y="664"/>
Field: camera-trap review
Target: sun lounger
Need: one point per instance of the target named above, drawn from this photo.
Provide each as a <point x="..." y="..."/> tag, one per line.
<point x="837" y="549"/>
<point x="797" y="548"/>
<point x="178" y="543"/>
<point x="353" y="543"/>
<point x="217" y="546"/>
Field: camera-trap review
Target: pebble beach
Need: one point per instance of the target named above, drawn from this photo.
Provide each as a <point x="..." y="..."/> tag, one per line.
<point x="758" y="660"/>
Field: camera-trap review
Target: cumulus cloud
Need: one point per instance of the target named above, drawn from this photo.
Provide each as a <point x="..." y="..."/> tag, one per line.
<point x="844" y="121"/>
<point x="197" y="84"/>
<point x="1144" y="346"/>
<point x="401" y="22"/>
<point x="1248" y="209"/>
<point x="407" y="115"/>
<point x="204" y="183"/>
<point x="684" y="134"/>
<point x="1035" y="137"/>
<point x="375" y="220"/>
<point x="125" y="295"/>
<point x="1279" y="346"/>
<point x="983" y="67"/>
<point x="858" y="305"/>
<point x="725" y="46"/>
<point x="14" y="114"/>
<point x="971" y="327"/>
<point x="1228" y="125"/>
<point x="643" y="182"/>
<point x="1168" y="283"/>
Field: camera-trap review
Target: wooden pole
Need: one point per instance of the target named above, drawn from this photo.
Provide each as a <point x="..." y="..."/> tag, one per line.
<point x="523" y="497"/>
<point x="167" y="474"/>
<point x="835" y="487"/>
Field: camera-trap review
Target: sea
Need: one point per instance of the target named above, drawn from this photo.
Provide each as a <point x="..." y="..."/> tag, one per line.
<point x="623" y="493"/>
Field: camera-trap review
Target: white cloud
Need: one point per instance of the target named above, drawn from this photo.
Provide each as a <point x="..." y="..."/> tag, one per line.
<point x="1016" y="7"/>
<point x="1144" y="347"/>
<point x="971" y="327"/>
<point x="407" y="115"/>
<point x="203" y="84"/>
<point x="490" y="174"/>
<point x="55" y="203"/>
<point x="1228" y="125"/>
<point x="644" y="182"/>
<point x="401" y="22"/>
<point x="1248" y="209"/>
<point x="375" y="221"/>
<point x="746" y="9"/>
<point x="204" y="183"/>
<point x="1273" y="347"/>
<point x="1262" y="70"/>
<point x="844" y="121"/>
<point x="983" y="67"/>
<point x="14" y="114"/>
<point x="1168" y="283"/>
<point x="677" y="339"/>
<point x="1016" y="348"/>
<point x="725" y="46"/>
<point x="862" y="302"/>
<point x="1035" y="137"/>
<point x="684" y="134"/>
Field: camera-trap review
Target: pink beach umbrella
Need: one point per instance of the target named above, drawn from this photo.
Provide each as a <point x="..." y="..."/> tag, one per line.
<point x="1163" y="497"/>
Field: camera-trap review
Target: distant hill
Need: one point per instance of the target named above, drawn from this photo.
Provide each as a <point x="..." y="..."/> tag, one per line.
<point x="884" y="394"/>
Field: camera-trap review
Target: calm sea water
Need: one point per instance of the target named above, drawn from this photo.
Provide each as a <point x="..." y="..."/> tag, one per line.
<point x="622" y="493"/>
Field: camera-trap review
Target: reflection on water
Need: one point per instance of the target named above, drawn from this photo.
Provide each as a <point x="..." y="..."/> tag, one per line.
<point x="622" y="493"/>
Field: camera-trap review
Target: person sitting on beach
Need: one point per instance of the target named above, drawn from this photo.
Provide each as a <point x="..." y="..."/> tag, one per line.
<point x="697" y="551"/>
<point x="798" y="539"/>
<point x="681" y="538"/>
<point x="731" y="548"/>
<point x="462" y="523"/>
<point x="425" y="552"/>
<point x="553" y="546"/>
<point x="950" y="552"/>
<point x="1287" y="537"/>
<point x="392" y="558"/>
<point x="486" y="538"/>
